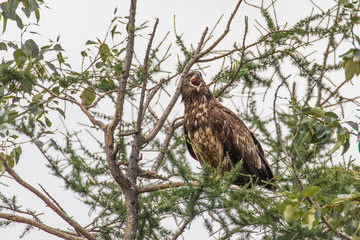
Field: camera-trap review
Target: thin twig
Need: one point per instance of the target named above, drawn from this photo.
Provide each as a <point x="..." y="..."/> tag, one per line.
<point x="164" y="148"/>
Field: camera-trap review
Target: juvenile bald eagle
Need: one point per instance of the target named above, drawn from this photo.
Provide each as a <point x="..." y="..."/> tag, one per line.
<point x="217" y="136"/>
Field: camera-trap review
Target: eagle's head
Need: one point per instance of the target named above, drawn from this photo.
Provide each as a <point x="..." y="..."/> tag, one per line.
<point x="194" y="88"/>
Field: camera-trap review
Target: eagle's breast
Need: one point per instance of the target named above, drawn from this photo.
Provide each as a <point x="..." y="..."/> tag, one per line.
<point x="206" y="144"/>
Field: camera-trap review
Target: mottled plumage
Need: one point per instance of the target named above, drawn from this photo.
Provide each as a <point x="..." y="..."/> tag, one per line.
<point x="217" y="136"/>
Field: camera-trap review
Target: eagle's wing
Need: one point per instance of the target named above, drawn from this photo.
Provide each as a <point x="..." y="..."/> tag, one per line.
<point x="188" y="145"/>
<point x="239" y="142"/>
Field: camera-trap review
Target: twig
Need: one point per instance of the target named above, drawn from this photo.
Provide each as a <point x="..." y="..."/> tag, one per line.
<point x="182" y="228"/>
<point x="164" y="148"/>
<point x="241" y="61"/>
<point x="141" y="113"/>
<point x="57" y="204"/>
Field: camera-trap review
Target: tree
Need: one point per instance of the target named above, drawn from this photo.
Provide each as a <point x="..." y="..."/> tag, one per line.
<point x="145" y="152"/>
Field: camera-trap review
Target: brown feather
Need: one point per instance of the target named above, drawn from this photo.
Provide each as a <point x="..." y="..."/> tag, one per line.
<point x="217" y="136"/>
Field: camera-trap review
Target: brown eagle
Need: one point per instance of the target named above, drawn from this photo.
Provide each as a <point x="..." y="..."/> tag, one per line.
<point x="217" y="136"/>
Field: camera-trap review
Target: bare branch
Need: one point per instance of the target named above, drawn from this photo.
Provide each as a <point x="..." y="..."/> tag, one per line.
<point x="126" y="69"/>
<point x="141" y="113"/>
<point x="49" y="203"/>
<point x="228" y="84"/>
<point x="224" y="33"/>
<point x="41" y="226"/>
<point x="164" y="147"/>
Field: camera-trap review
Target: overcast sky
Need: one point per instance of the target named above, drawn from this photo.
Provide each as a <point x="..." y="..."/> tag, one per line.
<point x="77" y="21"/>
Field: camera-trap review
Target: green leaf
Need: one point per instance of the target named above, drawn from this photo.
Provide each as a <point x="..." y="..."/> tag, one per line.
<point x="331" y="115"/>
<point x="10" y="160"/>
<point x="317" y="111"/>
<point x="310" y="191"/>
<point x="351" y="225"/>
<point x="356" y="54"/>
<point x="52" y="67"/>
<point x="349" y="54"/>
<point x="58" y="48"/>
<point x="354" y="125"/>
<point x="60" y="57"/>
<point x="37" y="97"/>
<point x="344" y="2"/>
<point x="4" y="24"/>
<point x="56" y="90"/>
<point x="18" y="152"/>
<point x="309" y="218"/>
<point x="351" y="68"/>
<point x="346" y="146"/>
<point x="341" y="132"/>
<point x="19" y="57"/>
<point x="3" y="46"/>
<point x="48" y="122"/>
<point x="39" y="143"/>
<point x="60" y="111"/>
<point x="87" y="96"/>
<point x="105" y="53"/>
<point x="336" y="147"/>
<point x="89" y="42"/>
<point x="318" y="126"/>
<point x="37" y="15"/>
<point x="291" y="213"/>
<point x="84" y="54"/>
<point x="2" y="167"/>
<point x="19" y="22"/>
<point x="113" y="31"/>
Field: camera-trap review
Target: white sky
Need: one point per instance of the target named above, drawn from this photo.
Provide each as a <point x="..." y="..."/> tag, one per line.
<point x="77" y="21"/>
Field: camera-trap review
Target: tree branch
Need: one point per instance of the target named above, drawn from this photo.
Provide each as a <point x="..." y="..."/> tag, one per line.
<point x="141" y="112"/>
<point x="241" y="61"/>
<point x="164" y="147"/>
<point x="49" y="203"/>
<point x="41" y="226"/>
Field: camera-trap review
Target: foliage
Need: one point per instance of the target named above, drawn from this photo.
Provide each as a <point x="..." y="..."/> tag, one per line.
<point x="318" y="188"/>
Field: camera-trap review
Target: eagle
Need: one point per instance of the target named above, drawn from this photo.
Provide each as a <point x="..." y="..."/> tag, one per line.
<point x="217" y="136"/>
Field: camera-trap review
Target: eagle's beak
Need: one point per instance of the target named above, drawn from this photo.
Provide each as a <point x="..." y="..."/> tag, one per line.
<point x="196" y="80"/>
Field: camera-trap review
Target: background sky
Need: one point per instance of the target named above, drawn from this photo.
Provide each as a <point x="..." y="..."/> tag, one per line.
<point x="77" y="21"/>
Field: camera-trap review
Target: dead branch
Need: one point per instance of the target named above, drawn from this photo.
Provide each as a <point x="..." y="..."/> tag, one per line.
<point x="39" y="225"/>
<point x="47" y="201"/>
